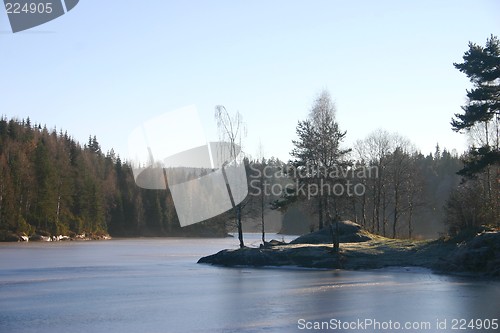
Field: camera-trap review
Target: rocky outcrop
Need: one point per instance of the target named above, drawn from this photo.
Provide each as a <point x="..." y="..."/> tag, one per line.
<point x="315" y="257"/>
<point x="40" y="238"/>
<point x="349" y="232"/>
<point x="480" y="254"/>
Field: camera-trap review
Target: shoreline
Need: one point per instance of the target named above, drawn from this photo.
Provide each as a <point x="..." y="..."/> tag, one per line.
<point x="13" y="238"/>
<point x="59" y="238"/>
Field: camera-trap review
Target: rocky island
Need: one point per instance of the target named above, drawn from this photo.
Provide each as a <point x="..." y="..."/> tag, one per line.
<point x="472" y="252"/>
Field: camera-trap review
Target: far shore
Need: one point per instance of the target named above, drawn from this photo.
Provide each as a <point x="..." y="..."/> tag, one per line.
<point x="12" y="238"/>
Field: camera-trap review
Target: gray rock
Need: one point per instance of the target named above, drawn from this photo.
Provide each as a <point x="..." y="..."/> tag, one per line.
<point x="349" y="232"/>
<point x="40" y="238"/>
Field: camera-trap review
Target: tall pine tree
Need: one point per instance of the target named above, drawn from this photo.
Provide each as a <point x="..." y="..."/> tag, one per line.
<point x="482" y="67"/>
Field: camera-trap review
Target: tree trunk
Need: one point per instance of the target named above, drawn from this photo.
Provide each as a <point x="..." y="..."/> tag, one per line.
<point x="384" y="207"/>
<point x="240" y="228"/>
<point x="488" y="170"/>
<point x="262" y="212"/>
<point x="354" y="209"/>
<point x="363" y="211"/>
<point x="337" y="240"/>
<point x="396" y="212"/>
<point x="410" y="209"/>
<point x="320" y="209"/>
<point x="410" y="227"/>
<point x="334" y="235"/>
<point x="374" y="209"/>
<point x="237" y="208"/>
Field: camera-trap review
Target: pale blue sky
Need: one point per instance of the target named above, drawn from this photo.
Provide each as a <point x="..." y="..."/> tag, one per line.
<point x="107" y="65"/>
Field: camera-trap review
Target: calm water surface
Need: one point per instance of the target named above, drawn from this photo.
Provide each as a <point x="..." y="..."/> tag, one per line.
<point x="155" y="285"/>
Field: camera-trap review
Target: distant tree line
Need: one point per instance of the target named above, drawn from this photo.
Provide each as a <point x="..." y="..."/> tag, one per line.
<point x="50" y="184"/>
<point x="407" y="197"/>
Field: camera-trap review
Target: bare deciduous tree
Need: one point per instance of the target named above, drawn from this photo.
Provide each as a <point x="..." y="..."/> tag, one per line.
<point x="232" y="129"/>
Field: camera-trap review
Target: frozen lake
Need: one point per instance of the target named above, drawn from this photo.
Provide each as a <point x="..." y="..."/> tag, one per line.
<point x="155" y="285"/>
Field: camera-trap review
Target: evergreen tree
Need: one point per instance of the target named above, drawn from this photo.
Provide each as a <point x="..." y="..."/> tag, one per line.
<point x="482" y="66"/>
<point x="318" y="150"/>
<point x="49" y="185"/>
